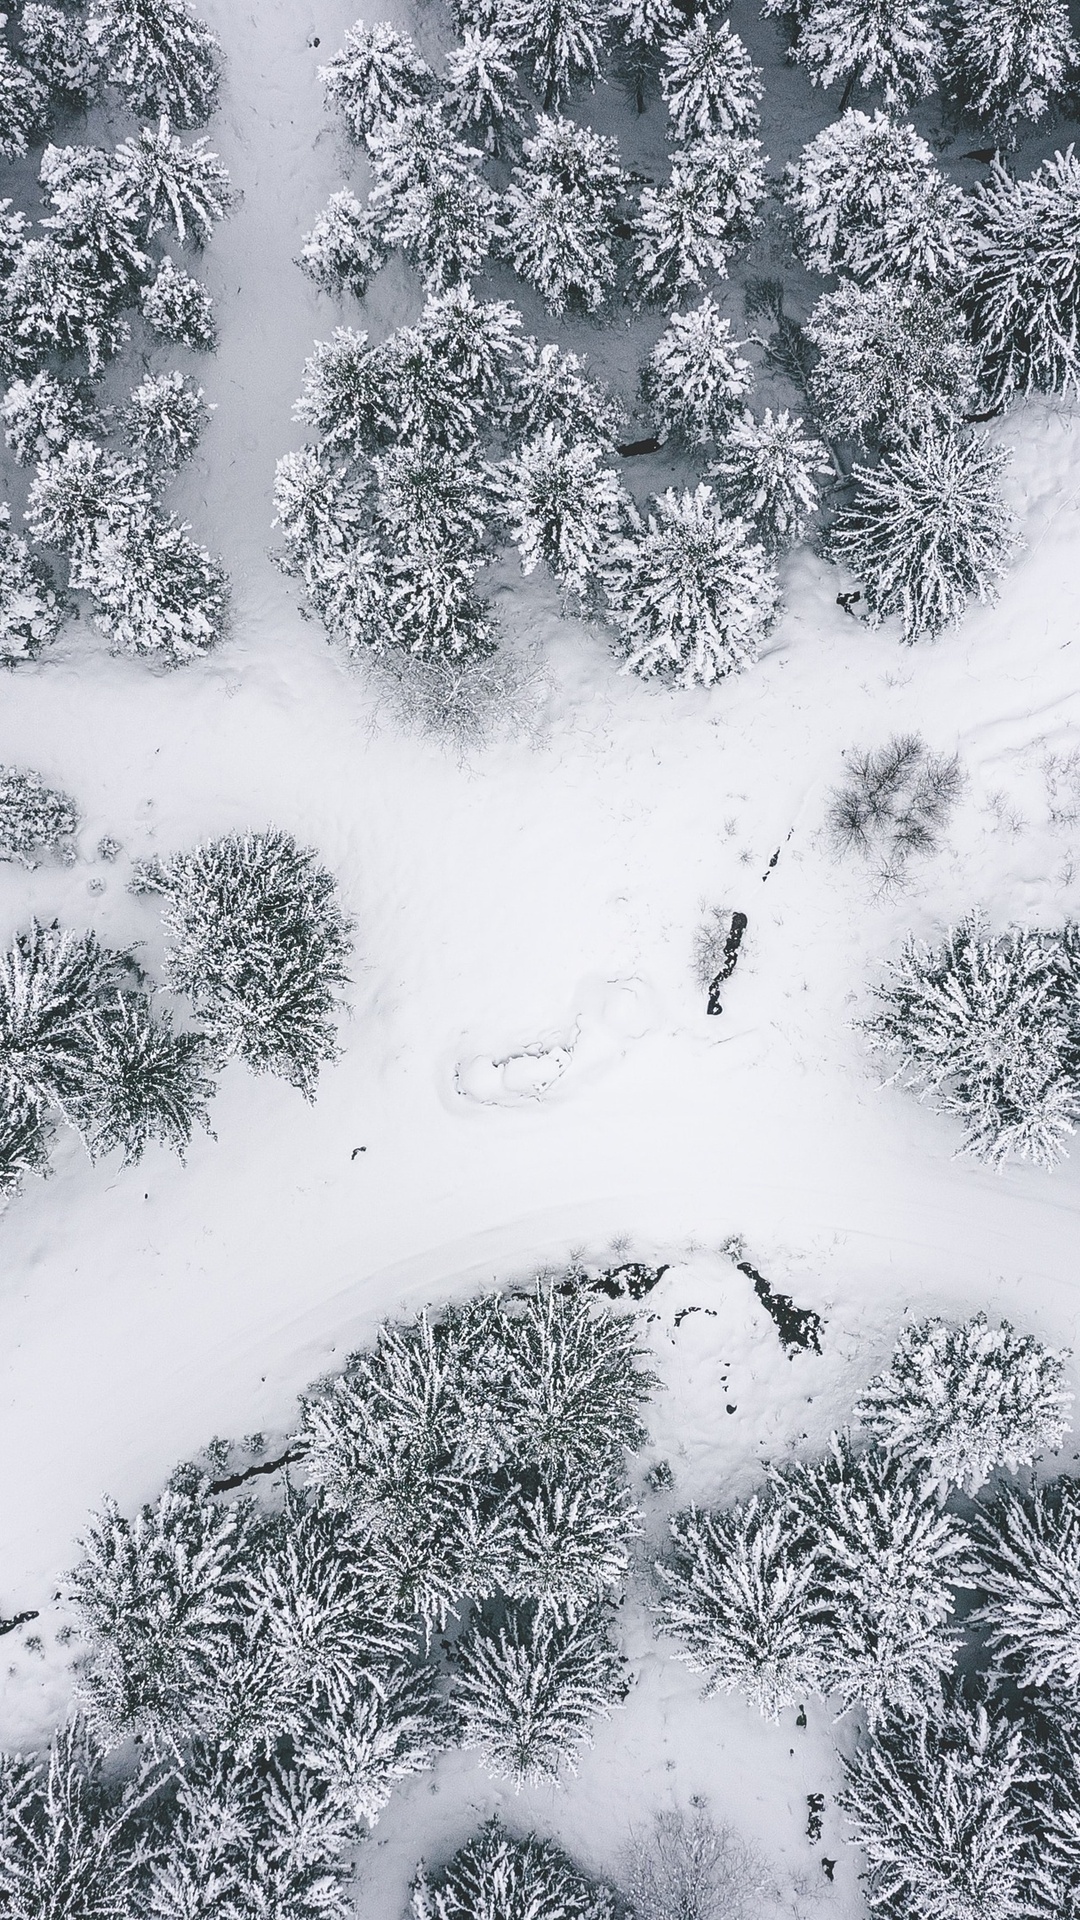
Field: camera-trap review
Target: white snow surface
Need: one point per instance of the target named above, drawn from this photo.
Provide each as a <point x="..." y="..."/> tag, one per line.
<point x="527" y="1062"/>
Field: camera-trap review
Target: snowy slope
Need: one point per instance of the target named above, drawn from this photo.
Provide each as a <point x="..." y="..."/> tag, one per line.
<point x="536" y="906"/>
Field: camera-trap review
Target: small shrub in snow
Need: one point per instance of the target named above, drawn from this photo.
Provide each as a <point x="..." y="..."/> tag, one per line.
<point x="32" y="607"/>
<point x="689" y="228"/>
<point x="527" y="1691"/>
<point x="377" y="74"/>
<point x="484" y="104"/>
<point x="963" y="1401"/>
<point x="1029" y="1575"/>
<point x="927" y="530"/>
<point x="72" y="1838"/>
<point x="767" y="473"/>
<point x="428" y="196"/>
<point x="178" y="308"/>
<point x="684" y="1867"/>
<point x="560" y="209"/>
<point x="564" y="506"/>
<point x="937" y="1803"/>
<point x="42" y="414"/>
<point x="164" y="419"/>
<point x="162" y="59"/>
<point x="869" y="200"/>
<point x="561" y="42"/>
<point x="345" y="248"/>
<point x="894" y="804"/>
<point x="692" y="594"/>
<point x="980" y="1027"/>
<point x="24" y="107"/>
<point x="1011" y="62"/>
<point x="1021" y="289"/>
<point x="468" y="701"/>
<point x="710" y="83"/>
<point x="258" y="945"/>
<point x="34" y="818"/>
<point x="497" y="1877"/>
<point x="890" y="361"/>
<point x="695" y="379"/>
<point x="898" y="48"/>
<point x="173" y="185"/>
<point x="738" y="1595"/>
<point x="551" y="388"/>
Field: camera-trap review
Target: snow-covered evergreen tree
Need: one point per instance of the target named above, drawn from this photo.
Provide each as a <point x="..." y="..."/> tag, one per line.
<point x="345" y="249"/>
<point x="32" y="607"/>
<point x="172" y="185"/>
<point x="692" y="594"/>
<point x="34" y="818"/>
<point x="928" y="529"/>
<point x="553" y="389"/>
<point x="24" y="107"/>
<point x="710" y="83"/>
<point x="497" y="1877"/>
<point x="146" y="1082"/>
<point x="155" y="590"/>
<point x="471" y="349"/>
<point x="695" y="380"/>
<point x="24" y="1144"/>
<point x="1029" y="1575"/>
<point x="387" y="1729"/>
<point x="54" y="44"/>
<point x="738" y="1594"/>
<point x="560" y="42"/>
<point x="83" y="491"/>
<point x="978" y="1026"/>
<point x="560" y="212"/>
<point x="570" y="1547"/>
<point x="164" y="419"/>
<point x="41" y="415"/>
<point x="94" y="223"/>
<point x="1011" y="62"/>
<point x="886" y="1556"/>
<point x="377" y="74"/>
<point x="563" y="505"/>
<point x="639" y="30"/>
<point x="72" y="1841"/>
<point x="768" y="473"/>
<point x="428" y="501"/>
<point x="51" y="984"/>
<point x="484" y="104"/>
<point x="347" y="394"/>
<point x="965" y="1400"/>
<point x="428" y="196"/>
<point x="527" y="1691"/>
<point x="53" y="303"/>
<point x="258" y="944"/>
<point x="897" y="48"/>
<point x="869" y="200"/>
<point x="688" y="229"/>
<point x="571" y="1385"/>
<point x="159" y="55"/>
<point x="937" y="1804"/>
<point x="1021" y="287"/>
<point x="179" y="308"/>
<point x="891" y="361"/>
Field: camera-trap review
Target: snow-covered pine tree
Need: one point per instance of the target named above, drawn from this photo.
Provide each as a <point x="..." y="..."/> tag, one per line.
<point x="688" y="229"/>
<point x="495" y="1876"/>
<point x="1029" y="1574"/>
<point x="768" y="473"/>
<point x="384" y="1730"/>
<point x="453" y="372"/>
<point x="527" y="1687"/>
<point x="94" y="223"/>
<point x="54" y="44"/>
<point x="738" y="1595"/>
<point x="563" y="505"/>
<point x="24" y="107"/>
<point x="377" y="74"/>
<point x="258" y="944"/>
<point x="34" y="818"/>
<point x="978" y="1026"/>
<point x="1011" y="62"/>
<point x="886" y="1557"/>
<point x="429" y="197"/>
<point x="570" y="1385"/>
<point x="897" y="48"/>
<point x="177" y="307"/>
<point x="428" y="501"/>
<point x="937" y="1804"/>
<point x="72" y="1840"/>
<point x="164" y="419"/>
<point x="52" y="304"/>
<point x="32" y="607"/>
<point x="348" y="395"/>
<point x="927" y="530"/>
<point x="695" y="380"/>
<point x="42" y="414"/>
<point x="14" y="230"/>
<point x="693" y="594"/>
<point x="890" y="361"/>
<point x="155" y="590"/>
<point x="551" y="388"/>
<point x="484" y="104"/>
<point x="1021" y="286"/>
<point x="145" y="1082"/>
<point x="639" y="29"/>
<point x="965" y="1400"/>
<point x="710" y="83"/>
<point x="560" y="212"/>
<point x="560" y="42"/>
<point x="24" y="1144"/>
<point x="344" y="250"/>
<point x="172" y="185"/>
<point x="322" y="516"/>
<point x="159" y="1602"/>
<point x="159" y="55"/>
<point x="570" y="1545"/>
<point x="869" y="200"/>
<point x="51" y="982"/>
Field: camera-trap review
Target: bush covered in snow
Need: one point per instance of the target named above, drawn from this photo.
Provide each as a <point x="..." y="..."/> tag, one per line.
<point x="34" y="818"/>
<point x="895" y="801"/>
<point x="685" y="1867"/>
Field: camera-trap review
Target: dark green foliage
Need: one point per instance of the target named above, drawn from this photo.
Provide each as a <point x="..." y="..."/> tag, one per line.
<point x="147" y="1082"/>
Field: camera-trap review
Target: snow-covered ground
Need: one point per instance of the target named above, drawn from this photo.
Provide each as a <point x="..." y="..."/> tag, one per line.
<point x="528" y="1065"/>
